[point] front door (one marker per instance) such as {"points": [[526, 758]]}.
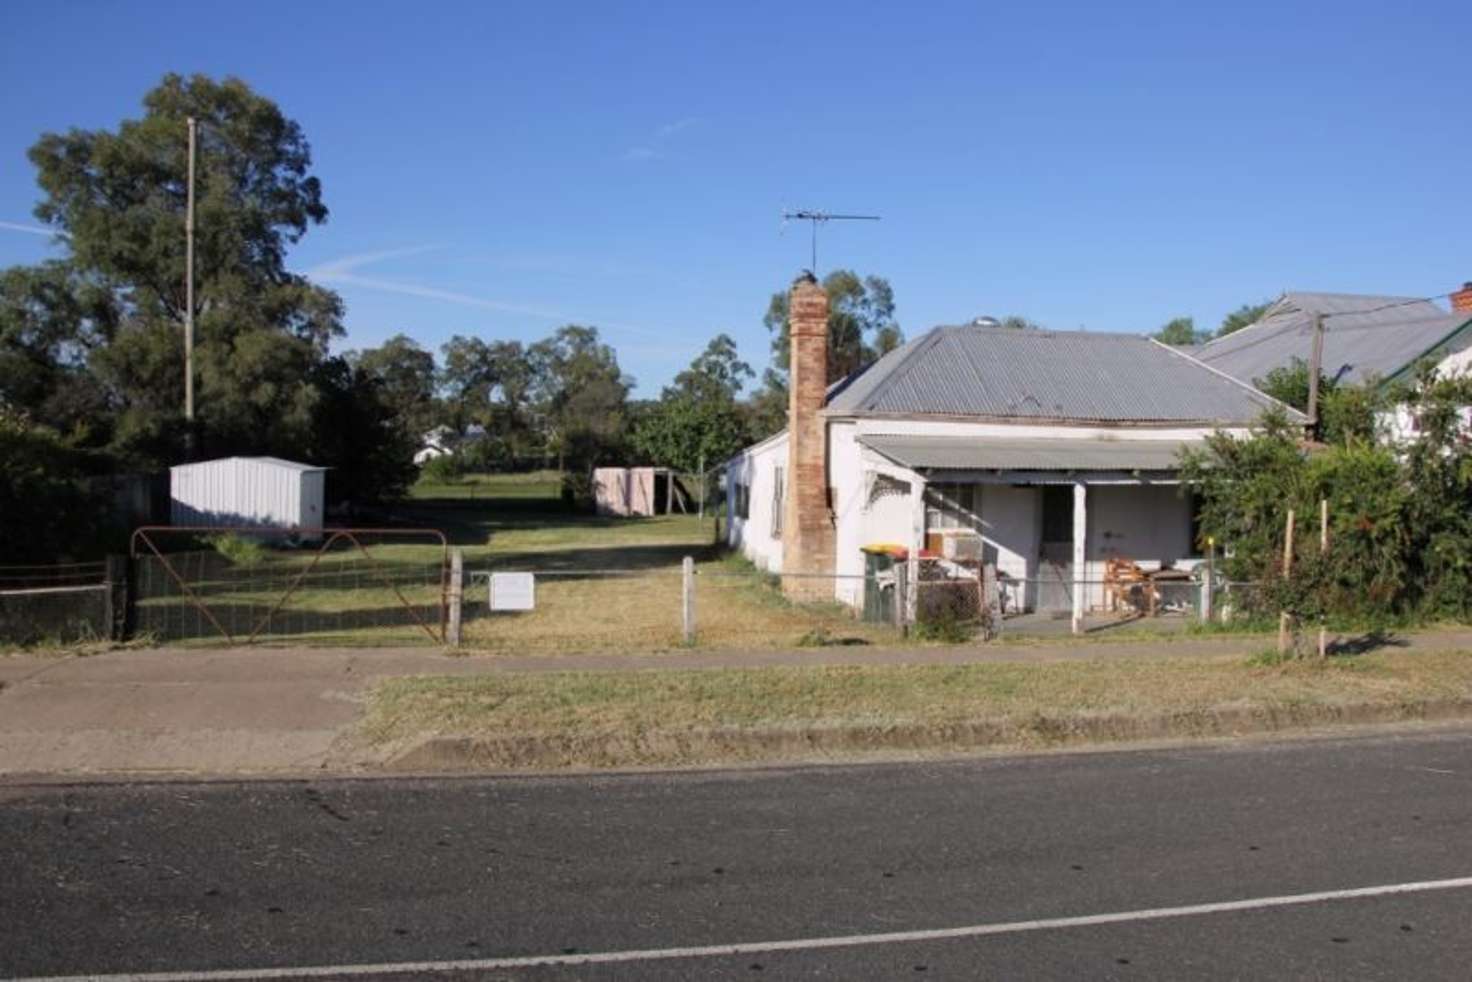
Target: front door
{"points": [[1055, 552]]}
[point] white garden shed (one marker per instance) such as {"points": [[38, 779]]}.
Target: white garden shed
{"points": [[258, 492]]}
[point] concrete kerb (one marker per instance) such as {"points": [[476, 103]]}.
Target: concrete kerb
{"points": [[458, 754], [273, 711]]}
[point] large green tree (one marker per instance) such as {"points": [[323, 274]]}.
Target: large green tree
{"points": [[118, 196], [51, 322], [579, 396], [489, 383], [406, 376], [861, 323], [698, 420]]}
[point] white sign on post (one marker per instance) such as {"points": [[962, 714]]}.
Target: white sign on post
{"points": [[513, 591]]}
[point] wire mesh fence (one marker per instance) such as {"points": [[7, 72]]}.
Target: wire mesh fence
{"points": [[733, 605], [747, 608], [56, 604], [350, 586], [578, 610]]}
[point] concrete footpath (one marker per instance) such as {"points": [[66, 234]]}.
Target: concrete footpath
{"points": [[293, 710]]}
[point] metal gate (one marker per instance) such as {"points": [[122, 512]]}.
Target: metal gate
{"points": [[246, 585]]}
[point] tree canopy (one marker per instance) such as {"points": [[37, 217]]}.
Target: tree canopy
{"points": [[1181, 333], [698, 421], [111, 309], [1244, 316], [861, 323], [1345, 411]]}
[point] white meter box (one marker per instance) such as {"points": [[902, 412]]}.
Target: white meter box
{"points": [[513, 591]]}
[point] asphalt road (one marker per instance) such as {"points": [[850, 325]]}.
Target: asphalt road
{"points": [[209, 876]]}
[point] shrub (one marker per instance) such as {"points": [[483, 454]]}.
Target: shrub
{"points": [[947, 611], [577, 490], [238, 550], [444, 469]]}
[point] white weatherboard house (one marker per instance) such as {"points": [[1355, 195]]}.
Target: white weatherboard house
{"points": [[248, 492], [1059, 448]]}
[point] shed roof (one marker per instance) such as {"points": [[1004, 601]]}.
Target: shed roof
{"points": [[1082, 376], [1365, 336], [272, 461], [972, 453]]}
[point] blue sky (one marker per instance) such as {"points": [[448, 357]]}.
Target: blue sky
{"points": [[501, 169]]}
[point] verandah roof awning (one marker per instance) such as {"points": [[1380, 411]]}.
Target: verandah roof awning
{"points": [[953, 453]]}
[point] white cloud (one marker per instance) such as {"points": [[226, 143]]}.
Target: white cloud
{"points": [[32, 229], [670, 129], [343, 272], [655, 150]]}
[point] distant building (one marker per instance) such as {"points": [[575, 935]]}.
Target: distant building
{"points": [[1366, 338]]}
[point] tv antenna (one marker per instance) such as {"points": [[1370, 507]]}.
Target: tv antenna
{"points": [[817, 218]]}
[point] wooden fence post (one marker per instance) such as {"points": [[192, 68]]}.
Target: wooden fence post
{"points": [[1204, 607], [687, 607], [115, 608], [457, 597], [991, 594], [1284, 616], [1323, 551]]}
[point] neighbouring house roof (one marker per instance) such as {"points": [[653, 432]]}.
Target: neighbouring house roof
{"points": [[1073, 376], [1365, 337], [970, 453]]}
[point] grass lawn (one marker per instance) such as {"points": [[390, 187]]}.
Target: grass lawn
{"points": [[504, 522], [615, 719]]}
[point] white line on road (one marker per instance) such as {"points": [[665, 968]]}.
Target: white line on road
{"points": [[794, 944]]}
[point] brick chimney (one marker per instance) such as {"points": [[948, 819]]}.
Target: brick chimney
{"points": [[807, 535], [1462, 300]]}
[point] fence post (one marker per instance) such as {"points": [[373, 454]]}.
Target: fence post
{"points": [[1203, 609], [1285, 618], [457, 596], [902, 596], [991, 596], [116, 606], [687, 597]]}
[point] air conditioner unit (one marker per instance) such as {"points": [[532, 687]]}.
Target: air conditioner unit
{"points": [[961, 547]]}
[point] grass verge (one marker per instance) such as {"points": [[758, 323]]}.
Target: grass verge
{"points": [[688, 717]]}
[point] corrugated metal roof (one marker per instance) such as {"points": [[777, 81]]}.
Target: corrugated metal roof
{"points": [[973, 453], [271, 461], [1079, 376], [1365, 337]]}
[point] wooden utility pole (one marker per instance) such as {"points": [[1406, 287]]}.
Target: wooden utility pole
{"points": [[189, 290], [1323, 551], [1284, 617], [1315, 367]]}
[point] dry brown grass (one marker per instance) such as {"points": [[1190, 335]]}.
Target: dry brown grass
{"points": [[581, 613], [611, 719]]}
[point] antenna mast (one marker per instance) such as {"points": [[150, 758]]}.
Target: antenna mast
{"points": [[816, 217]]}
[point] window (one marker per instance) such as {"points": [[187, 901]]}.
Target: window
{"points": [[952, 506], [779, 486], [741, 501]]}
